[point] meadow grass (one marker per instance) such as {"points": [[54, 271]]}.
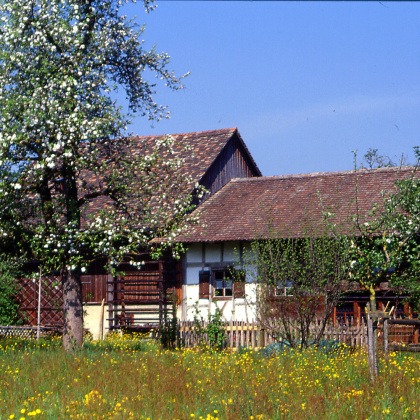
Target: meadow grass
{"points": [[133, 379]]}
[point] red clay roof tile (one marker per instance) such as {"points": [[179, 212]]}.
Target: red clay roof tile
{"points": [[289, 206]]}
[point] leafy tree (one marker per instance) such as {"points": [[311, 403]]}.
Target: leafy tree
{"points": [[299, 281], [9, 287], [60, 63], [373, 159], [386, 244], [385, 247]]}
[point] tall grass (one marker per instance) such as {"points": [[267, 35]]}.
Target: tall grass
{"points": [[132, 379]]}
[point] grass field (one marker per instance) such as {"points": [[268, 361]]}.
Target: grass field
{"points": [[132, 379]]}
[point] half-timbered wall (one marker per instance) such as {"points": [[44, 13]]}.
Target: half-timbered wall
{"points": [[204, 260], [202, 266]]}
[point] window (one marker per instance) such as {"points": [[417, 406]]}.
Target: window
{"points": [[223, 283], [284, 289]]}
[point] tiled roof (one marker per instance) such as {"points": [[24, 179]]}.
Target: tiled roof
{"points": [[290, 206], [197, 150]]}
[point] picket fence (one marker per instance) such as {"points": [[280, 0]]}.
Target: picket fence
{"points": [[241, 334]]}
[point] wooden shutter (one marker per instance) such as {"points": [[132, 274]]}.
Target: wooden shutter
{"points": [[204, 285], [239, 284]]}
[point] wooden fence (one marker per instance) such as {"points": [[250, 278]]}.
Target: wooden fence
{"points": [[253, 335]]}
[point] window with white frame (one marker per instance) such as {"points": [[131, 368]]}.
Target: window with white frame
{"points": [[284, 288], [223, 283]]}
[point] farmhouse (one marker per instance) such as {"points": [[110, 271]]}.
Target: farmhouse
{"points": [[239, 207], [273, 207], [210, 159]]}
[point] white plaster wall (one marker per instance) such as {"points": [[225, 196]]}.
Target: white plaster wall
{"points": [[192, 275], [194, 253], [239, 309], [213, 253], [231, 252], [92, 319]]}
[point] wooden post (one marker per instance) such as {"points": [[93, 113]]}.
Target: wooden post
{"points": [[356, 314], [38, 324], [111, 297], [231, 333], [375, 345], [261, 338], [101, 321], [370, 348], [161, 295], [386, 341], [242, 334]]}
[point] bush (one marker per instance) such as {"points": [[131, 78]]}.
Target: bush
{"points": [[214, 331], [9, 287]]}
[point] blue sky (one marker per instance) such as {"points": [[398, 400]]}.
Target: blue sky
{"points": [[306, 83]]}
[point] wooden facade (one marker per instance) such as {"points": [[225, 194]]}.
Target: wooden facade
{"points": [[353, 307], [140, 298], [135, 297], [234, 161]]}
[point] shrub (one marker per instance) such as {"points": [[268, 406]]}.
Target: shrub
{"points": [[9, 287]]}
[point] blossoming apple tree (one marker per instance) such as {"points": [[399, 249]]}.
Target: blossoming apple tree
{"points": [[77, 188]]}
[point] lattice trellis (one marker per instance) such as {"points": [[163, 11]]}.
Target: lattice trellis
{"points": [[51, 300]]}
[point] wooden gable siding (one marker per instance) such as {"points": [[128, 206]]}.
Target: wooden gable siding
{"points": [[231, 163]]}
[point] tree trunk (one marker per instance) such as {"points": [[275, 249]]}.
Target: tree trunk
{"points": [[372, 336], [371, 348], [73, 310], [372, 299]]}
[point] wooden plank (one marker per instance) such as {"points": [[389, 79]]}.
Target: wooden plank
{"points": [[415, 322]]}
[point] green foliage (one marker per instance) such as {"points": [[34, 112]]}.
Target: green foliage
{"points": [[327, 347], [372, 159], [215, 330], [159, 384], [213, 333], [9, 286], [61, 132], [386, 244], [300, 280], [64, 142]]}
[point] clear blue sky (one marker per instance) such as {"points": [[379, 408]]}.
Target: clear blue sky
{"points": [[306, 83]]}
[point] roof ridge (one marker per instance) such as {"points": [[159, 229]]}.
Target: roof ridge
{"points": [[323, 174], [221, 130]]}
